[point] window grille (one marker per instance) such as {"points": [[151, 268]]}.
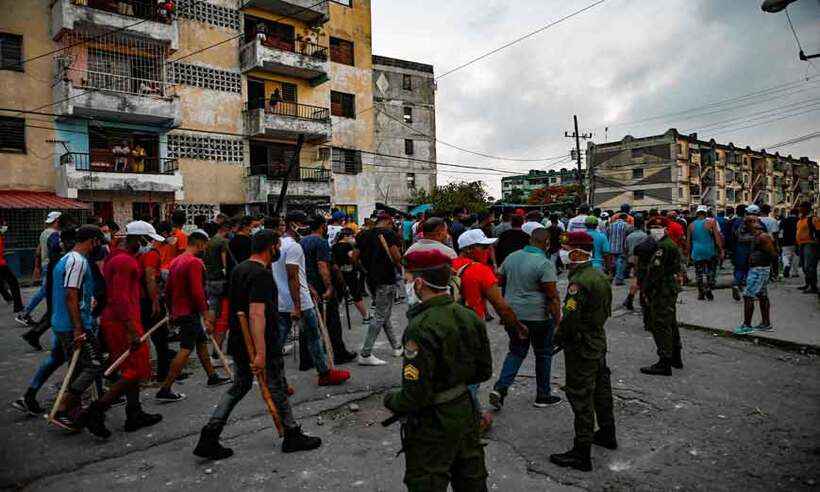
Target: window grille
{"points": [[12, 134], [182, 145], [119, 63], [194, 210], [346, 161], [207, 78], [209, 13], [408, 147], [11, 52]]}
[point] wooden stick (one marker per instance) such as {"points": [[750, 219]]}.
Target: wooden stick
{"points": [[125, 354], [261, 377], [74, 358], [225, 363], [325, 337]]}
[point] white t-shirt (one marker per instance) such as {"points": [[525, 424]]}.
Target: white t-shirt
{"points": [[333, 230], [771, 224], [292, 254], [577, 223]]}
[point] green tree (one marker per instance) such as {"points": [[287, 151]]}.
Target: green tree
{"points": [[472, 196]]}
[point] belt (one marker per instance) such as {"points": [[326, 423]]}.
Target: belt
{"points": [[449, 395]]}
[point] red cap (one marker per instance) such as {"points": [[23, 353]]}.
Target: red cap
{"points": [[430, 259], [520, 211], [579, 239]]}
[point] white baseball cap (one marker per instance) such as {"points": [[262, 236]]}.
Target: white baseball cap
{"points": [[52, 216], [753, 210], [531, 226], [702, 208], [474, 236], [142, 228]]}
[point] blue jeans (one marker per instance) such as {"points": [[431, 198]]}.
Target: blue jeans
{"points": [[620, 268], [55, 359], [39, 295], [309, 331], [540, 337]]}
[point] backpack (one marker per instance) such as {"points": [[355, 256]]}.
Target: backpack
{"points": [[455, 283], [646, 249]]}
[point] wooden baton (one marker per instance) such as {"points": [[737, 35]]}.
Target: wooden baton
{"points": [[261, 377], [125, 354], [325, 336], [221, 354], [64, 387]]}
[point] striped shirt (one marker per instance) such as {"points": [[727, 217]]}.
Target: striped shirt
{"points": [[71, 272], [618, 231]]}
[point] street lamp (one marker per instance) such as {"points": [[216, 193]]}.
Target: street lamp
{"points": [[774, 6]]}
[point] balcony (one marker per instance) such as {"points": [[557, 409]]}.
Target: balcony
{"points": [[104, 172], [123, 15], [291, 58], [267, 180], [288, 120], [88, 94], [304, 10]]}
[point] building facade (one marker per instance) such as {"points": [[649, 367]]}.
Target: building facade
{"points": [[679, 171], [145, 106], [405, 108], [517, 189]]}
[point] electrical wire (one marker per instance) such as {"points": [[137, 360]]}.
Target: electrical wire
{"points": [[795, 140], [796, 38]]}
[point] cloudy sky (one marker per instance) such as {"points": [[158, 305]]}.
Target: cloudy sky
{"points": [[622, 61]]}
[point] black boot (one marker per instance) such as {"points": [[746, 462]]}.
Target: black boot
{"points": [[660, 368], [786, 271], [208, 445], [577, 457], [136, 419], [709, 295], [93, 419], [677, 361], [628, 303], [605, 437], [736, 292], [296, 440]]}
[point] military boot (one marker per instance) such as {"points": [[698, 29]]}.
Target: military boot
{"points": [[208, 445], [660, 368], [577, 457], [677, 361], [296, 440], [628, 303], [136, 419], [605, 437]]}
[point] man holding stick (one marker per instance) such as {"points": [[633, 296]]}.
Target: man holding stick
{"points": [[253, 291]]}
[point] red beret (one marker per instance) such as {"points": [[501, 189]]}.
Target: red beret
{"points": [[578, 239], [430, 259]]}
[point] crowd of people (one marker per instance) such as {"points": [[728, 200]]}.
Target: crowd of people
{"points": [[243, 284]]}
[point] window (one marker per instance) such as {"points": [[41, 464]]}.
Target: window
{"points": [[637, 195], [408, 114], [680, 192], [411, 181], [679, 149], [341, 51], [407, 82], [730, 194], [636, 153], [408, 147], [637, 173], [346, 3], [12, 134], [11, 52], [342, 104], [346, 161]]}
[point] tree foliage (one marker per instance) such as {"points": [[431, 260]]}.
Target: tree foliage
{"points": [[472, 196]]}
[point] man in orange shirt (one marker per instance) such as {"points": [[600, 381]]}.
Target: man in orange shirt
{"points": [[178, 219], [807, 238]]}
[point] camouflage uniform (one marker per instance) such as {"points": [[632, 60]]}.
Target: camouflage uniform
{"points": [[445, 349], [657, 276], [587, 306]]}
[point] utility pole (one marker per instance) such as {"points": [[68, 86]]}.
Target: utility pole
{"points": [[578, 136]]}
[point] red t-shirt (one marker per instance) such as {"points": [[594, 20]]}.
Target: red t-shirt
{"points": [[186, 286], [475, 280], [182, 241], [149, 259], [121, 272]]}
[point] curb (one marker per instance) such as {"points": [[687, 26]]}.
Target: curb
{"points": [[803, 348]]}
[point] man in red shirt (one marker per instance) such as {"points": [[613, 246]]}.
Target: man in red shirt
{"points": [[178, 219], [152, 309], [187, 304], [121, 328]]}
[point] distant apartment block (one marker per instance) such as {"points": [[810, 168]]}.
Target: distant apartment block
{"points": [[517, 189]]}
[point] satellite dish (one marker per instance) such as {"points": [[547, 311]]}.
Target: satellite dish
{"points": [[774, 6]]}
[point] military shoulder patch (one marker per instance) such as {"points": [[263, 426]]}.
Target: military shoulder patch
{"points": [[571, 305], [411, 349], [411, 373], [659, 253]]}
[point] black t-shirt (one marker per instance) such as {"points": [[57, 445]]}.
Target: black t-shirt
{"points": [[555, 238], [316, 249], [509, 242], [240, 247], [250, 283], [341, 255], [380, 268]]}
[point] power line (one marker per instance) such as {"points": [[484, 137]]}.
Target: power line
{"points": [[767, 122], [749, 117], [797, 39], [802, 138], [518, 40]]}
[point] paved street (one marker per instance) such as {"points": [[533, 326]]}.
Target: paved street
{"points": [[738, 416]]}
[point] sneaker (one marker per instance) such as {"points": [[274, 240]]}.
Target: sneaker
{"points": [[296, 440], [217, 380], [63, 421], [334, 377], [27, 405], [398, 352], [370, 360], [287, 348], [32, 339], [497, 399], [710, 296], [743, 330], [545, 401], [24, 319], [736, 293], [168, 396], [762, 327], [119, 402]]}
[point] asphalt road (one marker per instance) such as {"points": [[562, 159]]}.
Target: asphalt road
{"points": [[738, 417]]}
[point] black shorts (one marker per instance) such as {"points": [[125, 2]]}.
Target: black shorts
{"points": [[191, 332], [355, 284]]}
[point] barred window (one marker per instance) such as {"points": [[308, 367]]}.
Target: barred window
{"points": [[408, 147], [11, 52], [207, 78], [199, 10], [181, 145], [12, 134], [346, 161]]}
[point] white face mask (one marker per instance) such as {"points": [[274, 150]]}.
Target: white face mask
{"points": [[3, 229], [410, 294], [657, 234], [255, 230]]}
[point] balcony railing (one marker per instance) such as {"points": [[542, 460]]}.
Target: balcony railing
{"points": [[140, 9], [292, 109], [119, 164], [279, 171], [88, 79], [294, 45]]}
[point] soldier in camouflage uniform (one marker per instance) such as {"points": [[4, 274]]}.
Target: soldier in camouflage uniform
{"points": [[445, 349], [658, 271], [587, 306]]}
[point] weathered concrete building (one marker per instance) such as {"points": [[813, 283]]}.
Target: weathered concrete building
{"points": [[517, 189], [681, 171], [405, 107]]}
